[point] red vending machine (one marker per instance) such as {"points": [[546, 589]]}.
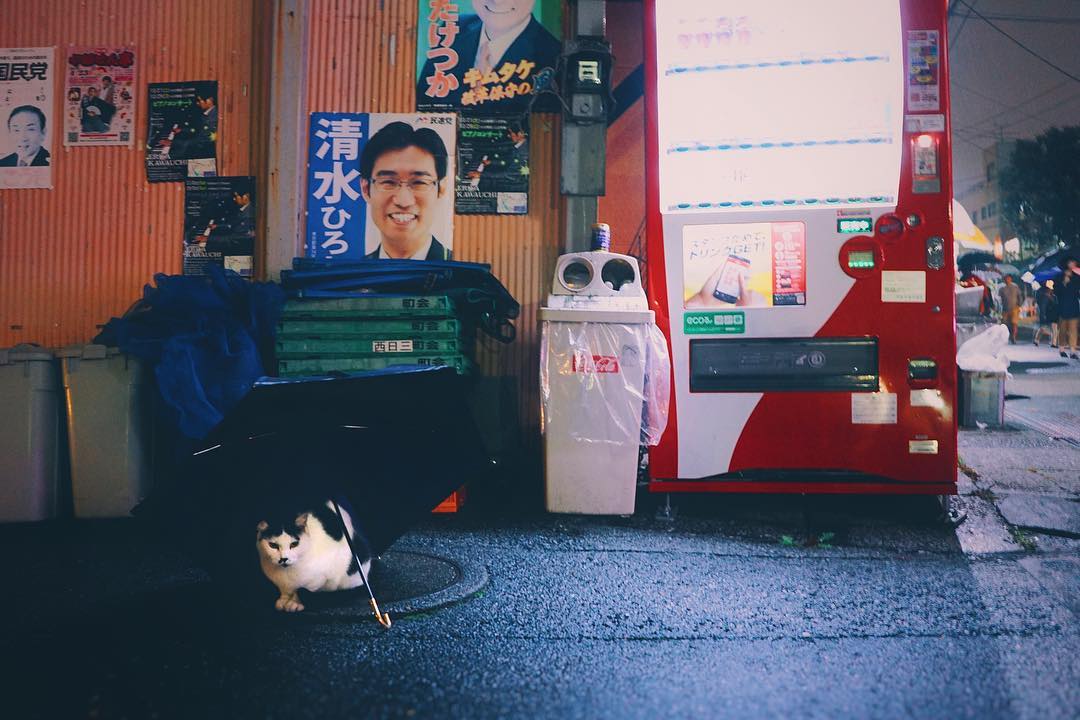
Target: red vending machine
{"points": [[800, 257]]}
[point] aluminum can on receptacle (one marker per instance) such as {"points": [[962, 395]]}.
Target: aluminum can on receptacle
{"points": [[601, 237]]}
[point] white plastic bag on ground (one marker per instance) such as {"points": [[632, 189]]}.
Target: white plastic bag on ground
{"points": [[985, 352]]}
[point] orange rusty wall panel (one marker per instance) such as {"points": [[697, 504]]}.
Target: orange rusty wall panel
{"points": [[362, 58], [76, 255], [623, 208]]}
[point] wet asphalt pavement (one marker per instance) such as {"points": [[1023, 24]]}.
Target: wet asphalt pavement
{"points": [[743, 607]]}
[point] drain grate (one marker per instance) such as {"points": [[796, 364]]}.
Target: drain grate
{"points": [[1059, 426]]}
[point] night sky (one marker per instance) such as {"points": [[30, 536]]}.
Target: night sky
{"points": [[999, 89]]}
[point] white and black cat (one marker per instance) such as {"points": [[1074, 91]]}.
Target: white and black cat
{"points": [[309, 551]]}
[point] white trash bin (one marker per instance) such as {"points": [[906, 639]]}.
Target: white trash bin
{"points": [[598, 348], [110, 400], [29, 435]]}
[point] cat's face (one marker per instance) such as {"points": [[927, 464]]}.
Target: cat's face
{"points": [[283, 544]]}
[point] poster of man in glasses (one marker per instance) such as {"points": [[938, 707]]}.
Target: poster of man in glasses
{"points": [[380, 186]]}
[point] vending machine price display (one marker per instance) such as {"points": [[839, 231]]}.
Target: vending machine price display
{"points": [[860, 259]]}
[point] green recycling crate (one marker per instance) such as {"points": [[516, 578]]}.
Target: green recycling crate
{"points": [[360, 329], [395, 306], [387, 344], [321, 366]]}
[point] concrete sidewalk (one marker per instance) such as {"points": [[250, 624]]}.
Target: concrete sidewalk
{"points": [[1028, 472]]}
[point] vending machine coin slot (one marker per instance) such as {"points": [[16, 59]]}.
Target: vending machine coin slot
{"points": [[922, 372]]}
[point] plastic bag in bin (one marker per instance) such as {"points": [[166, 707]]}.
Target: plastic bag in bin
{"points": [[606, 382]]}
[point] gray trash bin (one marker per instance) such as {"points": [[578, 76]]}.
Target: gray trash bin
{"points": [[594, 349], [110, 429], [29, 434], [982, 398]]}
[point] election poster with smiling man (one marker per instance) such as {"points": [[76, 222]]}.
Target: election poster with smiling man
{"points": [[380, 186], [484, 56]]}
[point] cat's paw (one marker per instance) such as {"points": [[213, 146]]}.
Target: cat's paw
{"points": [[288, 604]]}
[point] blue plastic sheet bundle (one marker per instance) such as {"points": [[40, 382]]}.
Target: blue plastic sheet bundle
{"points": [[478, 295], [206, 336]]}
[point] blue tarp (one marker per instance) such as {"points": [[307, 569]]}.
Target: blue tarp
{"points": [[205, 336], [479, 296]]}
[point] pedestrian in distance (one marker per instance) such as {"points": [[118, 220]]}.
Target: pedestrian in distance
{"points": [[1068, 295], [1010, 296], [1046, 301], [986, 302]]}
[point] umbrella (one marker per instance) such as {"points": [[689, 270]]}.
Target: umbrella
{"points": [[1007, 269], [1051, 264], [391, 444], [971, 259]]}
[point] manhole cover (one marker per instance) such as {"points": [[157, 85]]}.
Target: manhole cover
{"points": [[406, 582]]}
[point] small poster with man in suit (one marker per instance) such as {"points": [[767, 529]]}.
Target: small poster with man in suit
{"points": [[99, 96], [182, 130], [26, 117], [493, 165], [487, 56], [219, 224]]}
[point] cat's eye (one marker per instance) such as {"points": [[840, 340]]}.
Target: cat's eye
{"points": [[294, 544], [274, 545]]}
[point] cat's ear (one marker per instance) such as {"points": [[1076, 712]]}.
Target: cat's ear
{"points": [[261, 527], [301, 520]]}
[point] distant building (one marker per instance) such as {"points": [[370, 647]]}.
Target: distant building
{"points": [[983, 199]]}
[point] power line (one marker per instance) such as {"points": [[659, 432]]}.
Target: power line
{"points": [[1065, 101], [963, 22], [987, 135], [1023, 103], [1021, 45], [1010, 108], [973, 144], [1032, 19]]}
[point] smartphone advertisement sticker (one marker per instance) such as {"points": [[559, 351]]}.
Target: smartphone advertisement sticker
{"points": [[744, 265]]}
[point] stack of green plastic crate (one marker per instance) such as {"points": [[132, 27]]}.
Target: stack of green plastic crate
{"points": [[322, 335]]}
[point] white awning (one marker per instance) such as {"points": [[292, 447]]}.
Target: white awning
{"points": [[966, 234]]}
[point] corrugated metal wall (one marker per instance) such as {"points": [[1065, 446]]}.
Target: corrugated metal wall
{"points": [[74, 256], [362, 58]]}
